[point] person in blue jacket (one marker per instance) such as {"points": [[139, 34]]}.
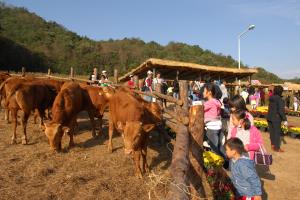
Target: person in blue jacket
{"points": [[243, 173]]}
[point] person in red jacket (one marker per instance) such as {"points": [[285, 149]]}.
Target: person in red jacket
{"points": [[130, 83], [247, 133]]}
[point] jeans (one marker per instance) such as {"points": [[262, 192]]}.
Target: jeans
{"points": [[214, 139], [175, 95]]}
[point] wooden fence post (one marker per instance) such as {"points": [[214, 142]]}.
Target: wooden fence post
{"points": [[71, 73], [49, 72], [23, 71], [116, 76], [197, 178], [136, 82], [180, 161]]}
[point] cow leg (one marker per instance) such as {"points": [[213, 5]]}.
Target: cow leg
{"points": [[6, 117], [100, 125], [136, 158], [71, 132], [35, 116], [92, 119], [24, 125], [110, 135], [41, 113], [144, 159], [14, 114]]}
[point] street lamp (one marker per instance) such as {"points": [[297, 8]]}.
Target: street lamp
{"points": [[250, 27]]}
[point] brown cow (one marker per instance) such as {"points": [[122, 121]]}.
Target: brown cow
{"points": [[133, 117], [95, 103], [11, 85], [28, 97], [72, 99]]}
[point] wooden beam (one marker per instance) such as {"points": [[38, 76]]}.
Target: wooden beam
{"points": [[163, 96], [71, 73], [181, 118], [116, 76], [23, 71]]}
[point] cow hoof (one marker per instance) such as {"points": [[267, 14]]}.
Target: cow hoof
{"points": [[147, 170], [13, 141], [71, 145], [139, 175], [24, 141]]}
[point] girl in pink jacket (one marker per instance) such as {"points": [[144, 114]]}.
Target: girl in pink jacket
{"points": [[246, 132]]}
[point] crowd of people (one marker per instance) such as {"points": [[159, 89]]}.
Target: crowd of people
{"points": [[229, 126]]}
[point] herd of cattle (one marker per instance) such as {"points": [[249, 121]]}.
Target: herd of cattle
{"points": [[129, 113]]}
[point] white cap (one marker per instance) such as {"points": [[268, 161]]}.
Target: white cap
{"points": [[149, 72], [103, 71]]}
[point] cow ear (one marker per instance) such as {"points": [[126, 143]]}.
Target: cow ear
{"points": [[148, 127], [120, 126], [66, 129]]}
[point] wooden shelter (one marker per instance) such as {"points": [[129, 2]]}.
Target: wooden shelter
{"points": [[291, 86], [188, 71]]}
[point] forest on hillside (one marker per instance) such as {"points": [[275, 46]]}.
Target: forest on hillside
{"points": [[28, 40]]}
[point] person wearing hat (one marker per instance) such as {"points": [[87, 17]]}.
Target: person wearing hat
{"points": [[94, 76], [148, 85], [130, 83], [104, 73]]}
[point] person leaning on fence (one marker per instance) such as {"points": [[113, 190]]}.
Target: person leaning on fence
{"points": [[247, 133], [243, 174], [175, 89], [148, 86], [103, 81], [212, 119], [276, 116]]}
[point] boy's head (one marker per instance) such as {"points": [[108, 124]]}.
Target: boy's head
{"points": [[226, 100], [234, 147]]}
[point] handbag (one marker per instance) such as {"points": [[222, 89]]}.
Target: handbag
{"points": [[261, 157]]}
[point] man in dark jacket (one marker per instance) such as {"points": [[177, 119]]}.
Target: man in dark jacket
{"points": [[276, 115]]}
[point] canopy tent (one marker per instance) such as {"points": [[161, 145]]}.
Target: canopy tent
{"points": [[188, 71]]}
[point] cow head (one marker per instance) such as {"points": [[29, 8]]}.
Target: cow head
{"points": [[155, 111], [135, 134], [54, 133], [107, 92]]}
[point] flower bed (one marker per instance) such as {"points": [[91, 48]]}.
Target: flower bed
{"points": [[262, 111], [220, 183], [292, 131]]}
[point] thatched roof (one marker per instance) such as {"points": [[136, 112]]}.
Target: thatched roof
{"points": [[187, 71], [292, 86]]}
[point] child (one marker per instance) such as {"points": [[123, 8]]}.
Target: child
{"points": [[243, 173], [253, 101], [237, 102], [212, 118], [225, 114], [247, 133]]}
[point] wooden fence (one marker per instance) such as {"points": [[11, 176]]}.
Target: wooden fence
{"points": [[189, 180]]}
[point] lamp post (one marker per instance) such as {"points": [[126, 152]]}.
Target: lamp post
{"points": [[250, 27]]}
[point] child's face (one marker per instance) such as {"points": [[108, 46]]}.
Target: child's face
{"points": [[235, 121], [206, 93], [230, 152]]}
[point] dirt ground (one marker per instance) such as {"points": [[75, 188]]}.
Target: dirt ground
{"points": [[88, 171]]}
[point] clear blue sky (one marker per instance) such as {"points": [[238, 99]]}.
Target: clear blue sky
{"points": [[274, 44]]}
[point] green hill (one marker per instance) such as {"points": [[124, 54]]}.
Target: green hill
{"points": [[28, 40]]}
